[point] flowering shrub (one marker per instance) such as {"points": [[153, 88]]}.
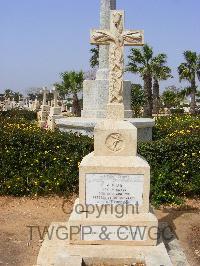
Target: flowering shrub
{"points": [[16, 114], [172, 126], [174, 157], [35, 161]]}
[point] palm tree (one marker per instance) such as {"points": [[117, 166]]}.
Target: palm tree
{"points": [[160, 72], [140, 61], [72, 82], [188, 71]]}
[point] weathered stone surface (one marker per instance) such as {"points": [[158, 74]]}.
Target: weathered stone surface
{"points": [[51, 125], [116, 38], [42, 115], [96, 92], [130, 165], [85, 126], [95, 98], [57, 251], [106, 6], [115, 138]]}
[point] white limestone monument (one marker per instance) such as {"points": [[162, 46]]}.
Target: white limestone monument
{"points": [[45, 108], [55, 111], [96, 92], [112, 177]]}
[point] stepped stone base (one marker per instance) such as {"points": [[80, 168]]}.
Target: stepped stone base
{"points": [[85, 126], [57, 252], [130, 230]]}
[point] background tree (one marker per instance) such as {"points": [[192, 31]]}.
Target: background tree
{"points": [[160, 72], [31, 96], [171, 97], [2, 97], [198, 96], [50, 96], [188, 71], [137, 99], [34, 93], [94, 60], [140, 61], [72, 83], [17, 96], [8, 93]]}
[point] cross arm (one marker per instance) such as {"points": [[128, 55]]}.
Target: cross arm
{"points": [[133, 37], [101, 37]]}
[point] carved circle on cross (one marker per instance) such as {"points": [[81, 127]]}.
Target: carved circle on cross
{"points": [[115, 142]]}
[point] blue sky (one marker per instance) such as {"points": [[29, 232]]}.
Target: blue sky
{"points": [[41, 38]]}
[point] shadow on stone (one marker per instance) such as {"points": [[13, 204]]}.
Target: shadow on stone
{"points": [[111, 262]]}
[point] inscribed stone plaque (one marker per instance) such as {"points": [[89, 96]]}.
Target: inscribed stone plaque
{"points": [[107, 189], [114, 232]]}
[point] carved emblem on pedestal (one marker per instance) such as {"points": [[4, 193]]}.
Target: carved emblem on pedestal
{"points": [[115, 142]]}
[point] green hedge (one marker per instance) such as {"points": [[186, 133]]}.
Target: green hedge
{"points": [[175, 167], [35, 161], [17, 115], [174, 156]]}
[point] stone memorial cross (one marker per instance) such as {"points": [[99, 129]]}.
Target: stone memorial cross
{"points": [[117, 38]]}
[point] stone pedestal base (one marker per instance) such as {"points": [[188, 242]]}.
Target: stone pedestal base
{"points": [[85, 126], [58, 252], [95, 228]]}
